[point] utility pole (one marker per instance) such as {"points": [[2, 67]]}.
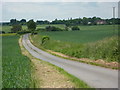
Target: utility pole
{"points": [[113, 19]]}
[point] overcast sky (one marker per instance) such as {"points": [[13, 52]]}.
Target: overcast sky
{"points": [[59, 10]]}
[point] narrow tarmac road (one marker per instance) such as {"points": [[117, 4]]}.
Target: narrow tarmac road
{"points": [[95, 76]]}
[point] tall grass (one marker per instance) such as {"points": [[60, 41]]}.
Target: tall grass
{"points": [[16, 67], [106, 49]]}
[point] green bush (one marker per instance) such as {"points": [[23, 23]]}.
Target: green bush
{"points": [[2, 32], [45, 39], [52, 28], [15, 28], [75, 28]]}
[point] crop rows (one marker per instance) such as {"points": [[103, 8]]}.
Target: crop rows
{"points": [[16, 67]]}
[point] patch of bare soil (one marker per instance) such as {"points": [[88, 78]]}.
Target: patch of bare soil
{"points": [[99, 61], [46, 76]]}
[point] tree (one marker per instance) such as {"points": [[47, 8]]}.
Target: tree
{"points": [[75, 28], [23, 21], [15, 28], [85, 21], [2, 32], [13, 21], [31, 26]]}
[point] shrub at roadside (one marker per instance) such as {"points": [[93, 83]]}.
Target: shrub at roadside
{"points": [[45, 39]]}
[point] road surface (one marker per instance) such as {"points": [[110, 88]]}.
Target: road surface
{"points": [[95, 76]]}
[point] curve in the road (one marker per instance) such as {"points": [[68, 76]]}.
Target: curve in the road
{"points": [[95, 76]]}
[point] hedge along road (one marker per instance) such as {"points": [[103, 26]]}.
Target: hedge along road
{"points": [[95, 76]]}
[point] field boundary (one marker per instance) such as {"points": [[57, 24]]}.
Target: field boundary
{"points": [[99, 62], [8, 34]]}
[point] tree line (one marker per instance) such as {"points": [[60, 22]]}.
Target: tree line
{"points": [[69, 22], [31, 28], [87, 21]]}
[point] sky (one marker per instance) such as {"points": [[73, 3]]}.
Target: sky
{"points": [[52, 10]]}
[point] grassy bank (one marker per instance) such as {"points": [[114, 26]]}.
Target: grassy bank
{"points": [[16, 67], [106, 49]]}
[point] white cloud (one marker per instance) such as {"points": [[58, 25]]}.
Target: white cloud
{"points": [[60, 10]]}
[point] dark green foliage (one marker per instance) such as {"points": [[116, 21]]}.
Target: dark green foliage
{"points": [[31, 26], [2, 32], [23, 21], [23, 32], [45, 39], [35, 32], [16, 68], [11, 32], [75, 28], [85, 21], [42, 22], [13, 21], [15, 28], [69, 22], [52, 28]]}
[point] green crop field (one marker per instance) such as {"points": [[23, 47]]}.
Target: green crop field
{"points": [[94, 42], [8, 28], [62, 26], [83, 36], [16, 68]]}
